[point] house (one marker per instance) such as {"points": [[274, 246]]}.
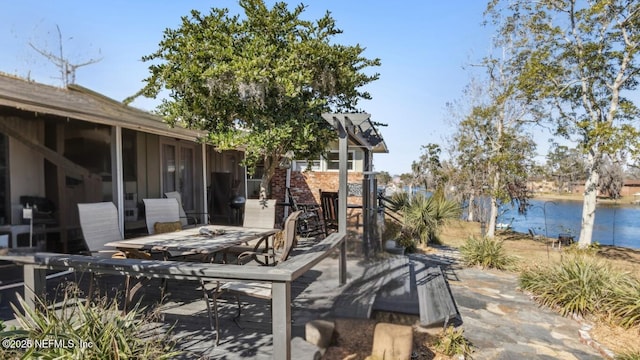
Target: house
{"points": [[60, 147], [306, 179]]}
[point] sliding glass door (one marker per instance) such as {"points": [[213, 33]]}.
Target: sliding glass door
{"points": [[178, 162]]}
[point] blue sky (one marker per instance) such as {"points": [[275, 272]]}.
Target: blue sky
{"points": [[423, 46]]}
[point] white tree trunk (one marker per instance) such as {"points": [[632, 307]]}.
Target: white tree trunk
{"points": [[493, 215], [471, 208], [589, 203]]}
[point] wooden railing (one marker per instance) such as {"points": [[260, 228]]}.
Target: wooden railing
{"points": [[280, 276]]}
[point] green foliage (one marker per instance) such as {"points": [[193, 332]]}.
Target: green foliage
{"points": [[259, 81], [574, 286], [622, 301], [628, 356], [111, 334], [423, 216], [579, 60], [487, 253], [452, 342]]}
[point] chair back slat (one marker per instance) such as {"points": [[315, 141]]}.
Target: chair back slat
{"points": [[259, 213], [99, 224], [160, 210], [289, 235]]}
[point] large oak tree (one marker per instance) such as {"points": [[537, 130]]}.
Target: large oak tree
{"points": [[258, 81]]}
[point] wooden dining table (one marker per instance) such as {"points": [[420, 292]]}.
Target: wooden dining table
{"points": [[203, 240]]}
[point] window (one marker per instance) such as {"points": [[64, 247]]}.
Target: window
{"points": [[333, 161], [330, 163], [302, 165]]}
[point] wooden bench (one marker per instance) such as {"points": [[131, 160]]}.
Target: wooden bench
{"points": [[280, 276]]}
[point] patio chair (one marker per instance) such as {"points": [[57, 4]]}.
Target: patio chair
{"points": [[257, 214], [99, 225], [309, 222], [256, 289], [162, 213], [329, 205], [185, 219]]}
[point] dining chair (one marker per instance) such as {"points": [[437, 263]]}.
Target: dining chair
{"points": [[329, 205], [258, 213], [161, 212], [99, 225], [185, 219], [256, 289]]}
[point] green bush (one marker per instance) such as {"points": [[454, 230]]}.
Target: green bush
{"points": [[100, 326], [576, 285], [622, 301], [485, 252], [628, 356], [452, 342]]}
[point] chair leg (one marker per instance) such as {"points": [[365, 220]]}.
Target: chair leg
{"points": [[214, 297], [237, 317]]}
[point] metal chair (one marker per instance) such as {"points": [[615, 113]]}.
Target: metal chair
{"points": [[259, 290], [99, 225], [160, 211], [185, 219], [309, 222]]}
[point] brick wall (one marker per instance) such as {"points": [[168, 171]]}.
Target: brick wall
{"points": [[306, 186]]}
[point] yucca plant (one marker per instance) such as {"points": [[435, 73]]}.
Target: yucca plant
{"points": [[88, 330], [576, 285], [623, 301], [628, 356], [452, 342], [422, 215], [487, 253]]}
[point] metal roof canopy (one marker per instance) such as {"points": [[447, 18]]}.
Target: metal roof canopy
{"points": [[360, 129]]}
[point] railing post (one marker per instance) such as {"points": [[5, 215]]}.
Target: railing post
{"points": [[281, 319], [35, 284]]}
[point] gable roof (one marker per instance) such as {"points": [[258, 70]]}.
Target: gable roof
{"points": [[77, 102]]}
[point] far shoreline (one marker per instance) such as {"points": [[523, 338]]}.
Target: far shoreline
{"points": [[627, 200]]}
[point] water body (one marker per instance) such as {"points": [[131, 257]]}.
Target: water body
{"points": [[617, 225]]}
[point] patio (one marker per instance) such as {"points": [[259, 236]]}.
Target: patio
{"points": [[497, 319]]}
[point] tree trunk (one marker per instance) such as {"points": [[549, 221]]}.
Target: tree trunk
{"points": [[493, 215], [269, 171], [471, 207], [589, 202]]}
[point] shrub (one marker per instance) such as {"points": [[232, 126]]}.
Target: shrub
{"points": [[101, 324], [574, 286], [485, 252], [622, 301], [628, 356], [452, 342]]}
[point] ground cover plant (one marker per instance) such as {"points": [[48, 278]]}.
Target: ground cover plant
{"points": [[487, 253], [78, 329]]}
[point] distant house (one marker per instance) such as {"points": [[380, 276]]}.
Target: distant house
{"points": [[60, 147]]}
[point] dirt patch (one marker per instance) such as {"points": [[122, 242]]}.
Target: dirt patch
{"points": [[353, 340]]}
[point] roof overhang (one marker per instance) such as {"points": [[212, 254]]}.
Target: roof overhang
{"points": [[77, 102], [361, 130]]}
